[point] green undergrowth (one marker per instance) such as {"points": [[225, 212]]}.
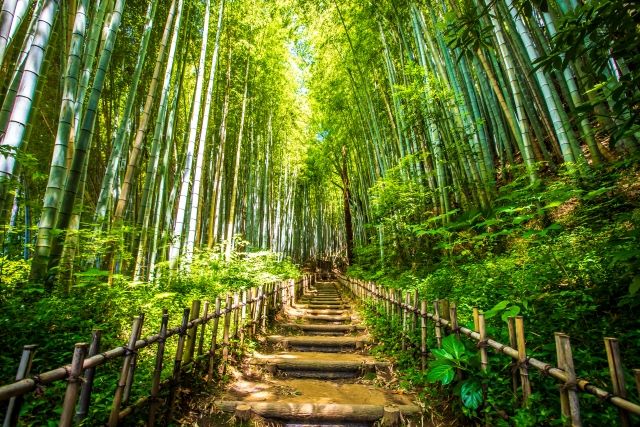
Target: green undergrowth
{"points": [[56, 321], [564, 255]]}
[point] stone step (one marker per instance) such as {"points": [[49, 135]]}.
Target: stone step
{"points": [[324, 318], [319, 343], [317, 412], [317, 364], [310, 327]]}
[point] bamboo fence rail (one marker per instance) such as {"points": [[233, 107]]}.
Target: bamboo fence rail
{"points": [[445, 320], [244, 313]]}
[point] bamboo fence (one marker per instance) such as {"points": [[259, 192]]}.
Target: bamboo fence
{"points": [[414, 317], [243, 314]]}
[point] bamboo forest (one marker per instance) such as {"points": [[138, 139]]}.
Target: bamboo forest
{"points": [[320, 213]]}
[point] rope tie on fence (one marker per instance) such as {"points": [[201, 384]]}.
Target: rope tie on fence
{"points": [[457, 330], [182, 331], [569, 385], [525, 363], [130, 351], [40, 387], [546, 369], [482, 344]]}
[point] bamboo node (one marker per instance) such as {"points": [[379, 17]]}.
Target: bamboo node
{"points": [[546, 369]]}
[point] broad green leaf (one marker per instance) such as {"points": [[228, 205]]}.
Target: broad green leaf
{"points": [[442, 373], [496, 309], [453, 346], [440, 353], [471, 394], [512, 311]]}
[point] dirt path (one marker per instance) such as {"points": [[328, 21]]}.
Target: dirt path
{"points": [[315, 371]]}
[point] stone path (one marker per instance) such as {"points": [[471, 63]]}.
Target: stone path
{"points": [[316, 371]]}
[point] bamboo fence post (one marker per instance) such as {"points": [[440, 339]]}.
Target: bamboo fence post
{"points": [[256, 311], [214, 339], [617, 375], [387, 302], [436, 316], [243, 317], [423, 334], [15, 403], [132, 369], [453, 317], [73, 385], [236, 316], [522, 360], [205, 313], [263, 310], [476, 312], [569, 403], [444, 309], [157, 370], [225, 333], [114, 416], [415, 307], [177, 365], [482, 343], [192, 333], [636, 375], [404, 321], [89, 374], [513, 343]]}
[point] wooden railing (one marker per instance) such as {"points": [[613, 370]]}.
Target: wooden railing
{"points": [[415, 318], [243, 314]]}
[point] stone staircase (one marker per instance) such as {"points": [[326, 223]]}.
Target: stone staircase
{"points": [[316, 372]]}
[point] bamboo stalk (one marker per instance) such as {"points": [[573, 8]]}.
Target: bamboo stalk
{"points": [[15, 403], [214, 340], [205, 313], [569, 403], [263, 310], [192, 333], [423, 334], [404, 322], [124, 373], [453, 318], [636, 375], [225, 333], [157, 370], [132, 368], [476, 323], [256, 310], [177, 366], [522, 360], [482, 343], [438, 327], [73, 385], [511, 325], [236, 314], [243, 317], [89, 374], [617, 375], [415, 308]]}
